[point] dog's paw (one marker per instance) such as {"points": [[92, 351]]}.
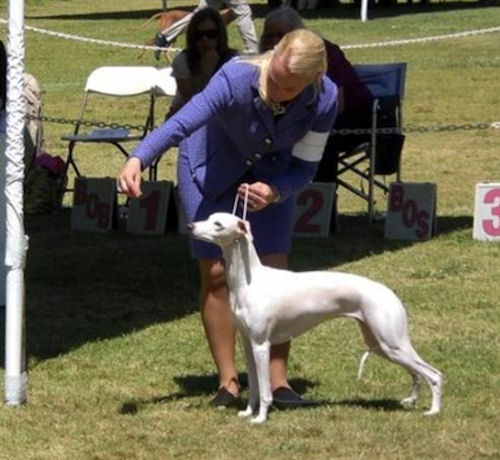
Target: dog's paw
{"points": [[245, 413], [409, 402], [258, 420], [431, 412]]}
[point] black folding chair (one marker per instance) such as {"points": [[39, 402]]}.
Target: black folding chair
{"points": [[382, 153]]}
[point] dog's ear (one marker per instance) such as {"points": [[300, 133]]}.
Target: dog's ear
{"points": [[244, 228]]}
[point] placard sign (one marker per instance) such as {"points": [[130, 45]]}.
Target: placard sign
{"points": [[313, 210], [411, 211], [148, 214], [94, 202], [487, 212]]}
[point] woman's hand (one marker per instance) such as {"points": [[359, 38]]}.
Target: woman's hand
{"points": [[129, 180], [260, 195]]}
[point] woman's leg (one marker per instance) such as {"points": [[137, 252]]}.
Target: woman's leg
{"points": [[279, 353], [218, 321]]}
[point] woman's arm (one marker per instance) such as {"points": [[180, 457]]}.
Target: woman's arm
{"points": [[188, 119], [194, 114]]}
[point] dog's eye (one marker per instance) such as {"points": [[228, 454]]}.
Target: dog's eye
{"points": [[218, 226]]}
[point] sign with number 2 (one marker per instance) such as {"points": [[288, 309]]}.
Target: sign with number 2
{"points": [[313, 210]]}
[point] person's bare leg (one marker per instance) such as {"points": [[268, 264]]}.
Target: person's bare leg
{"points": [[218, 321], [279, 353]]}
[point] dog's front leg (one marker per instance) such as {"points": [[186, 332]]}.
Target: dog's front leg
{"points": [[261, 355], [253, 384]]}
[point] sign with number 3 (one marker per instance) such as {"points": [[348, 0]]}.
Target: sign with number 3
{"points": [[487, 212]]}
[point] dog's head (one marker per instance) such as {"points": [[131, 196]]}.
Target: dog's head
{"points": [[221, 228]]}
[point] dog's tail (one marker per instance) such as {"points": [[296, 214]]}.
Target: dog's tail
{"points": [[362, 362], [152, 18]]}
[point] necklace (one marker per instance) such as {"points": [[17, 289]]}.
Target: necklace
{"points": [[277, 108]]}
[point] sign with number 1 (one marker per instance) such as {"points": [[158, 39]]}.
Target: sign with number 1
{"points": [[147, 215]]}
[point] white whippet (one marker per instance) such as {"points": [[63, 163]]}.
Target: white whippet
{"points": [[272, 306]]}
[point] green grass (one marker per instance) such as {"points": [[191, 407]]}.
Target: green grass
{"points": [[118, 364]]}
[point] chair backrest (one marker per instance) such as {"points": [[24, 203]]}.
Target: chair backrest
{"points": [[165, 82], [383, 80], [131, 81]]}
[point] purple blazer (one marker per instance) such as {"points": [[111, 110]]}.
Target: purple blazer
{"points": [[226, 131]]}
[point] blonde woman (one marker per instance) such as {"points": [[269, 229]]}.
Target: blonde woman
{"points": [[260, 123]]}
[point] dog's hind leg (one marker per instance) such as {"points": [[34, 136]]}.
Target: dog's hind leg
{"points": [[253, 384], [407, 357], [404, 354], [411, 399]]}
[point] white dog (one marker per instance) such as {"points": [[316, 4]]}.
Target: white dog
{"points": [[272, 306]]}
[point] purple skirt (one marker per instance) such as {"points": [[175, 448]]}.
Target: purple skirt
{"points": [[271, 227]]}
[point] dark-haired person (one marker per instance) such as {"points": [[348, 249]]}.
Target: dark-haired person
{"points": [[206, 51], [241, 10]]}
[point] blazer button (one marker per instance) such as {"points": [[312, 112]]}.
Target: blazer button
{"points": [[248, 162], [257, 155], [268, 141]]}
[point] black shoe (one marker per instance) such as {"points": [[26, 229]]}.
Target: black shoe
{"points": [[286, 398], [225, 399]]}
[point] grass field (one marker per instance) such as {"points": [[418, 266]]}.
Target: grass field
{"points": [[118, 365]]}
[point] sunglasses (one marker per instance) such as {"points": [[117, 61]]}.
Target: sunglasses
{"points": [[210, 34]]}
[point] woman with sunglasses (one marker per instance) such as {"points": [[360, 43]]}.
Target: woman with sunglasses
{"points": [[207, 49], [257, 130]]}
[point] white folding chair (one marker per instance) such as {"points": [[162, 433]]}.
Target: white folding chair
{"points": [[120, 81], [381, 154]]}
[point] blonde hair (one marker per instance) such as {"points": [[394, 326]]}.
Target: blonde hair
{"points": [[303, 53]]}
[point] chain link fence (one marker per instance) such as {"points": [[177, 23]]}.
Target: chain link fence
{"points": [[394, 130]]}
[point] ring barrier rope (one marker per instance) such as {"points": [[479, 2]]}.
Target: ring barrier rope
{"points": [[95, 41], [408, 41]]}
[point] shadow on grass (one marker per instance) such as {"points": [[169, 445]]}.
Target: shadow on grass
{"points": [[86, 287], [206, 385], [200, 385], [339, 11], [356, 240], [383, 405]]}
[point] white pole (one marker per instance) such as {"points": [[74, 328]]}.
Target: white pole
{"points": [[364, 10], [3, 225], [16, 241]]}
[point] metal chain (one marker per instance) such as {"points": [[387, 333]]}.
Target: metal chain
{"points": [[342, 132], [419, 129], [98, 124]]}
